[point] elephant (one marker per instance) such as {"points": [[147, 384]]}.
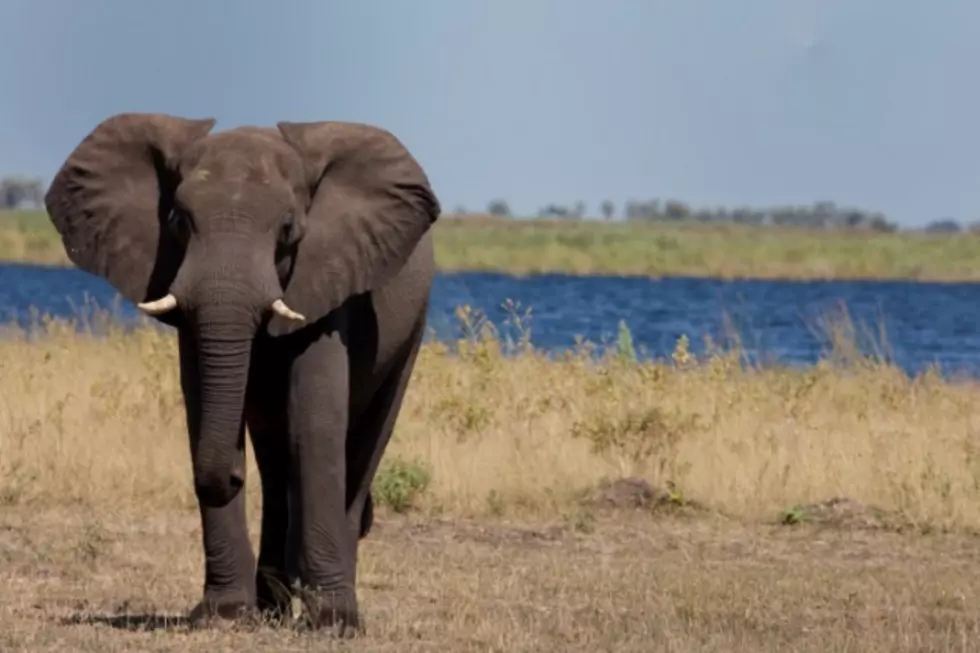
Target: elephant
{"points": [[295, 264]]}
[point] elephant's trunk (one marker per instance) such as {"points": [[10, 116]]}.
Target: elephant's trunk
{"points": [[224, 344]]}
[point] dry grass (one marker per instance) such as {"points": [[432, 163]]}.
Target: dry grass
{"points": [[487, 537], [96, 583]]}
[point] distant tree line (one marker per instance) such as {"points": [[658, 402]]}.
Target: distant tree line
{"points": [[21, 192], [18, 192], [819, 215]]}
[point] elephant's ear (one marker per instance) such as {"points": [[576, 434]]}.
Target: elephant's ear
{"points": [[110, 197], [370, 204]]}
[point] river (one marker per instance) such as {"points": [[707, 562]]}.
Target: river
{"points": [[778, 321]]}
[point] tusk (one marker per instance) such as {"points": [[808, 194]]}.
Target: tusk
{"points": [[159, 306], [280, 308]]}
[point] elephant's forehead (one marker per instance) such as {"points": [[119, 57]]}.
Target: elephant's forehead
{"points": [[252, 157]]}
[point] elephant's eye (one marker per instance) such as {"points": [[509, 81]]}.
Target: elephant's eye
{"points": [[289, 229], [179, 223], [177, 218]]}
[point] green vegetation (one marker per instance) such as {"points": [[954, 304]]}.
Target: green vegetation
{"points": [[639, 247], [29, 237], [701, 250]]}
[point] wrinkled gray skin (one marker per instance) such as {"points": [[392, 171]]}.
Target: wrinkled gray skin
{"points": [[332, 218]]}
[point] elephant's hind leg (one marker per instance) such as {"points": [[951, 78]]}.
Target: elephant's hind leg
{"points": [[369, 438]]}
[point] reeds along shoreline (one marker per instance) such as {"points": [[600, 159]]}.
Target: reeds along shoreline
{"points": [[98, 420], [635, 249]]}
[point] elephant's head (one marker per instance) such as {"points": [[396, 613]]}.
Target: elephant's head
{"points": [[223, 235]]}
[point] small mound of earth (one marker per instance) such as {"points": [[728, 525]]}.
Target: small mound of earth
{"points": [[634, 493], [841, 512]]}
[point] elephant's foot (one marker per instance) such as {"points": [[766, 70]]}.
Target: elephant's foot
{"points": [[334, 610], [221, 614]]}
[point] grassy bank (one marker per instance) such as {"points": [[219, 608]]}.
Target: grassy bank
{"points": [[86, 418], [498, 529], [732, 251]]}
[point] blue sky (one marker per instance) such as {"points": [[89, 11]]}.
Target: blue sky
{"points": [[717, 102]]}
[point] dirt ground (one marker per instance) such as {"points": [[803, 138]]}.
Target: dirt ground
{"points": [[619, 581]]}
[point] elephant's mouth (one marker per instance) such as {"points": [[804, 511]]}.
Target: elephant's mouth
{"points": [[168, 303]]}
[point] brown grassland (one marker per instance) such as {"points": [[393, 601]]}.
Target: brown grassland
{"points": [[833, 508]]}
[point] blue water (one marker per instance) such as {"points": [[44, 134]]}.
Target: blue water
{"points": [[778, 321]]}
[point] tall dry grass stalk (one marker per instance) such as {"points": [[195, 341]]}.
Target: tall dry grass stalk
{"points": [[98, 420]]}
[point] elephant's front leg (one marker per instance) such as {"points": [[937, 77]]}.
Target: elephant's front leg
{"points": [[265, 415], [229, 563], [318, 415]]}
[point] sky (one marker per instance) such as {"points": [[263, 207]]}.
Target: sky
{"points": [[868, 103]]}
